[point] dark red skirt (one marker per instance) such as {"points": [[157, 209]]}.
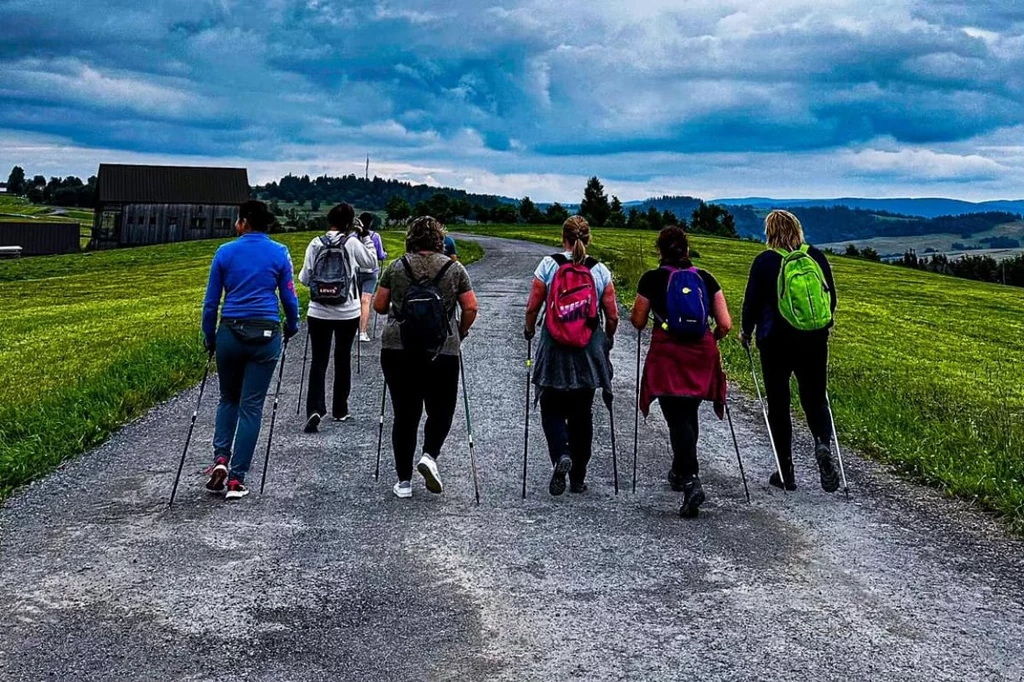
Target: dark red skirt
{"points": [[688, 370]]}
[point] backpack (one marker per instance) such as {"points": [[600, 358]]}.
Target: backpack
{"points": [[686, 301], [330, 281], [423, 320], [804, 298], [571, 316]]}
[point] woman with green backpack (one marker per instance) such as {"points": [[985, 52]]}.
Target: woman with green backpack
{"points": [[789, 304]]}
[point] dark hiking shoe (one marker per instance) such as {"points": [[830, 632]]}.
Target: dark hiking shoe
{"points": [[675, 480], [236, 490], [312, 423], [826, 467], [557, 485], [218, 473], [693, 498], [578, 488], [777, 482], [342, 418]]}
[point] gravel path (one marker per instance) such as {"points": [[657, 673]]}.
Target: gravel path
{"points": [[329, 577]]}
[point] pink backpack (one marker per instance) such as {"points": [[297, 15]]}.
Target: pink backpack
{"points": [[572, 303]]}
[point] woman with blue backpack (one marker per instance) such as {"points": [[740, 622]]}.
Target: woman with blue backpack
{"points": [[683, 366], [330, 270], [423, 294], [573, 353], [789, 304]]}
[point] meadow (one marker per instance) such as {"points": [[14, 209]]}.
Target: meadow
{"points": [[91, 341], [925, 369]]}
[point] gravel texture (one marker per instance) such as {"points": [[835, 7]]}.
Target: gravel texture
{"points": [[328, 576]]}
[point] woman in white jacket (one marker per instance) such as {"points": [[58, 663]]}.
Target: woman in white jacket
{"points": [[337, 320]]}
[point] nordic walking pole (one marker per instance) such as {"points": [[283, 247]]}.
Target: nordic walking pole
{"points": [[607, 397], [764, 411], [191, 427], [839, 455], [529, 380], [380, 430], [636, 405], [736, 444], [359, 354], [302, 378], [469, 429], [273, 416]]}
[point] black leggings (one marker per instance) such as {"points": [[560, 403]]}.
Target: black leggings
{"points": [[415, 382], [568, 421], [321, 332], [807, 358], [683, 431]]}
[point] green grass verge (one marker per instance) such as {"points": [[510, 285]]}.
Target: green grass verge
{"points": [[924, 368], [92, 340]]}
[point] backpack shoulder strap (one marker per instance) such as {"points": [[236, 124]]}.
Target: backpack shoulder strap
{"points": [[408, 268], [559, 259], [804, 248], [325, 242], [442, 272], [590, 262]]}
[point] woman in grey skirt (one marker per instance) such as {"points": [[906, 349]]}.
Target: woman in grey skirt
{"points": [[573, 353]]}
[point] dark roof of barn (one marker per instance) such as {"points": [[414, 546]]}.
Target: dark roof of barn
{"points": [[172, 184]]}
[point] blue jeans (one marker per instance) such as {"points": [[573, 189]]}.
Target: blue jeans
{"points": [[245, 371]]}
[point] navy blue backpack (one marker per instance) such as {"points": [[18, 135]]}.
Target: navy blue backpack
{"points": [[686, 299]]}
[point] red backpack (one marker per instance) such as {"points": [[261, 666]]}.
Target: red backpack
{"points": [[572, 303]]}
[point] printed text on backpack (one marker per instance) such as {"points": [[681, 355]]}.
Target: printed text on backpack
{"points": [[571, 316], [804, 299], [424, 319], [331, 277]]}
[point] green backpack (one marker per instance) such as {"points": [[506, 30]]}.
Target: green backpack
{"points": [[804, 298]]}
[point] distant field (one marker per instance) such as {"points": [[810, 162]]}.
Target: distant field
{"points": [[92, 340], [18, 209], [925, 369], [941, 243]]}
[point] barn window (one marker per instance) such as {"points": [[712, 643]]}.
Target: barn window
{"points": [[221, 224], [152, 221], [129, 220], [198, 223], [172, 221]]}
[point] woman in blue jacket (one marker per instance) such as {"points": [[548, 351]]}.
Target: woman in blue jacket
{"points": [[249, 274]]}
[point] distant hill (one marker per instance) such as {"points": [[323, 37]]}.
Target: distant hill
{"points": [[925, 208], [371, 195]]}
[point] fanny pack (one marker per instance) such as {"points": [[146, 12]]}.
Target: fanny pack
{"points": [[252, 331]]}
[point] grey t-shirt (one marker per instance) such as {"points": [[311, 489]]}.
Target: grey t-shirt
{"points": [[454, 283]]}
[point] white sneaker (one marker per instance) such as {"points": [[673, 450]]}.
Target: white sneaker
{"points": [[403, 489], [428, 468], [364, 338]]}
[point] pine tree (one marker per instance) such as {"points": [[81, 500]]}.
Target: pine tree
{"points": [[594, 206]]}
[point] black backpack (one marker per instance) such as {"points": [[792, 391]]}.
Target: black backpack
{"points": [[423, 320], [330, 281]]}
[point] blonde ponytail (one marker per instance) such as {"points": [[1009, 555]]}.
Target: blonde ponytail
{"points": [[576, 233]]}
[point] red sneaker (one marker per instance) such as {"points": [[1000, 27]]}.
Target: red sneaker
{"points": [[218, 473], [236, 490]]}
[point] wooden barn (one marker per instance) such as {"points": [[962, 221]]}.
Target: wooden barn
{"points": [[157, 204]]}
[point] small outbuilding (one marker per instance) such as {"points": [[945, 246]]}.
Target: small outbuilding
{"points": [[140, 205], [39, 238]]}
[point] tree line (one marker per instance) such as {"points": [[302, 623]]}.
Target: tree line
{"points": [[980, 268], [67, 191]]}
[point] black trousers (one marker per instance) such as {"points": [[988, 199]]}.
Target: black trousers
{"points": [[417, 383], [683, 431], [321, 333], [807, 358], [568, 421]]}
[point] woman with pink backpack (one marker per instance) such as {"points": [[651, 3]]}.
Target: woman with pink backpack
{"points": [[683, 366], [573, 353]]}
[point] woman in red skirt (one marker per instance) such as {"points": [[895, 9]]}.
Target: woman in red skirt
{"points": [[683, 367]]}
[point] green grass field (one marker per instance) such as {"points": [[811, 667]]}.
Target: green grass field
{"points": [[92, 340], [925, 369]]}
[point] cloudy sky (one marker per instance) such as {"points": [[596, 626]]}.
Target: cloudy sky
{"points": [[808, 98]]}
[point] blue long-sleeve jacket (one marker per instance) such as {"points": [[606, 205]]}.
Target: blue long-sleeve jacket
{"points": [[250, 273]]}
